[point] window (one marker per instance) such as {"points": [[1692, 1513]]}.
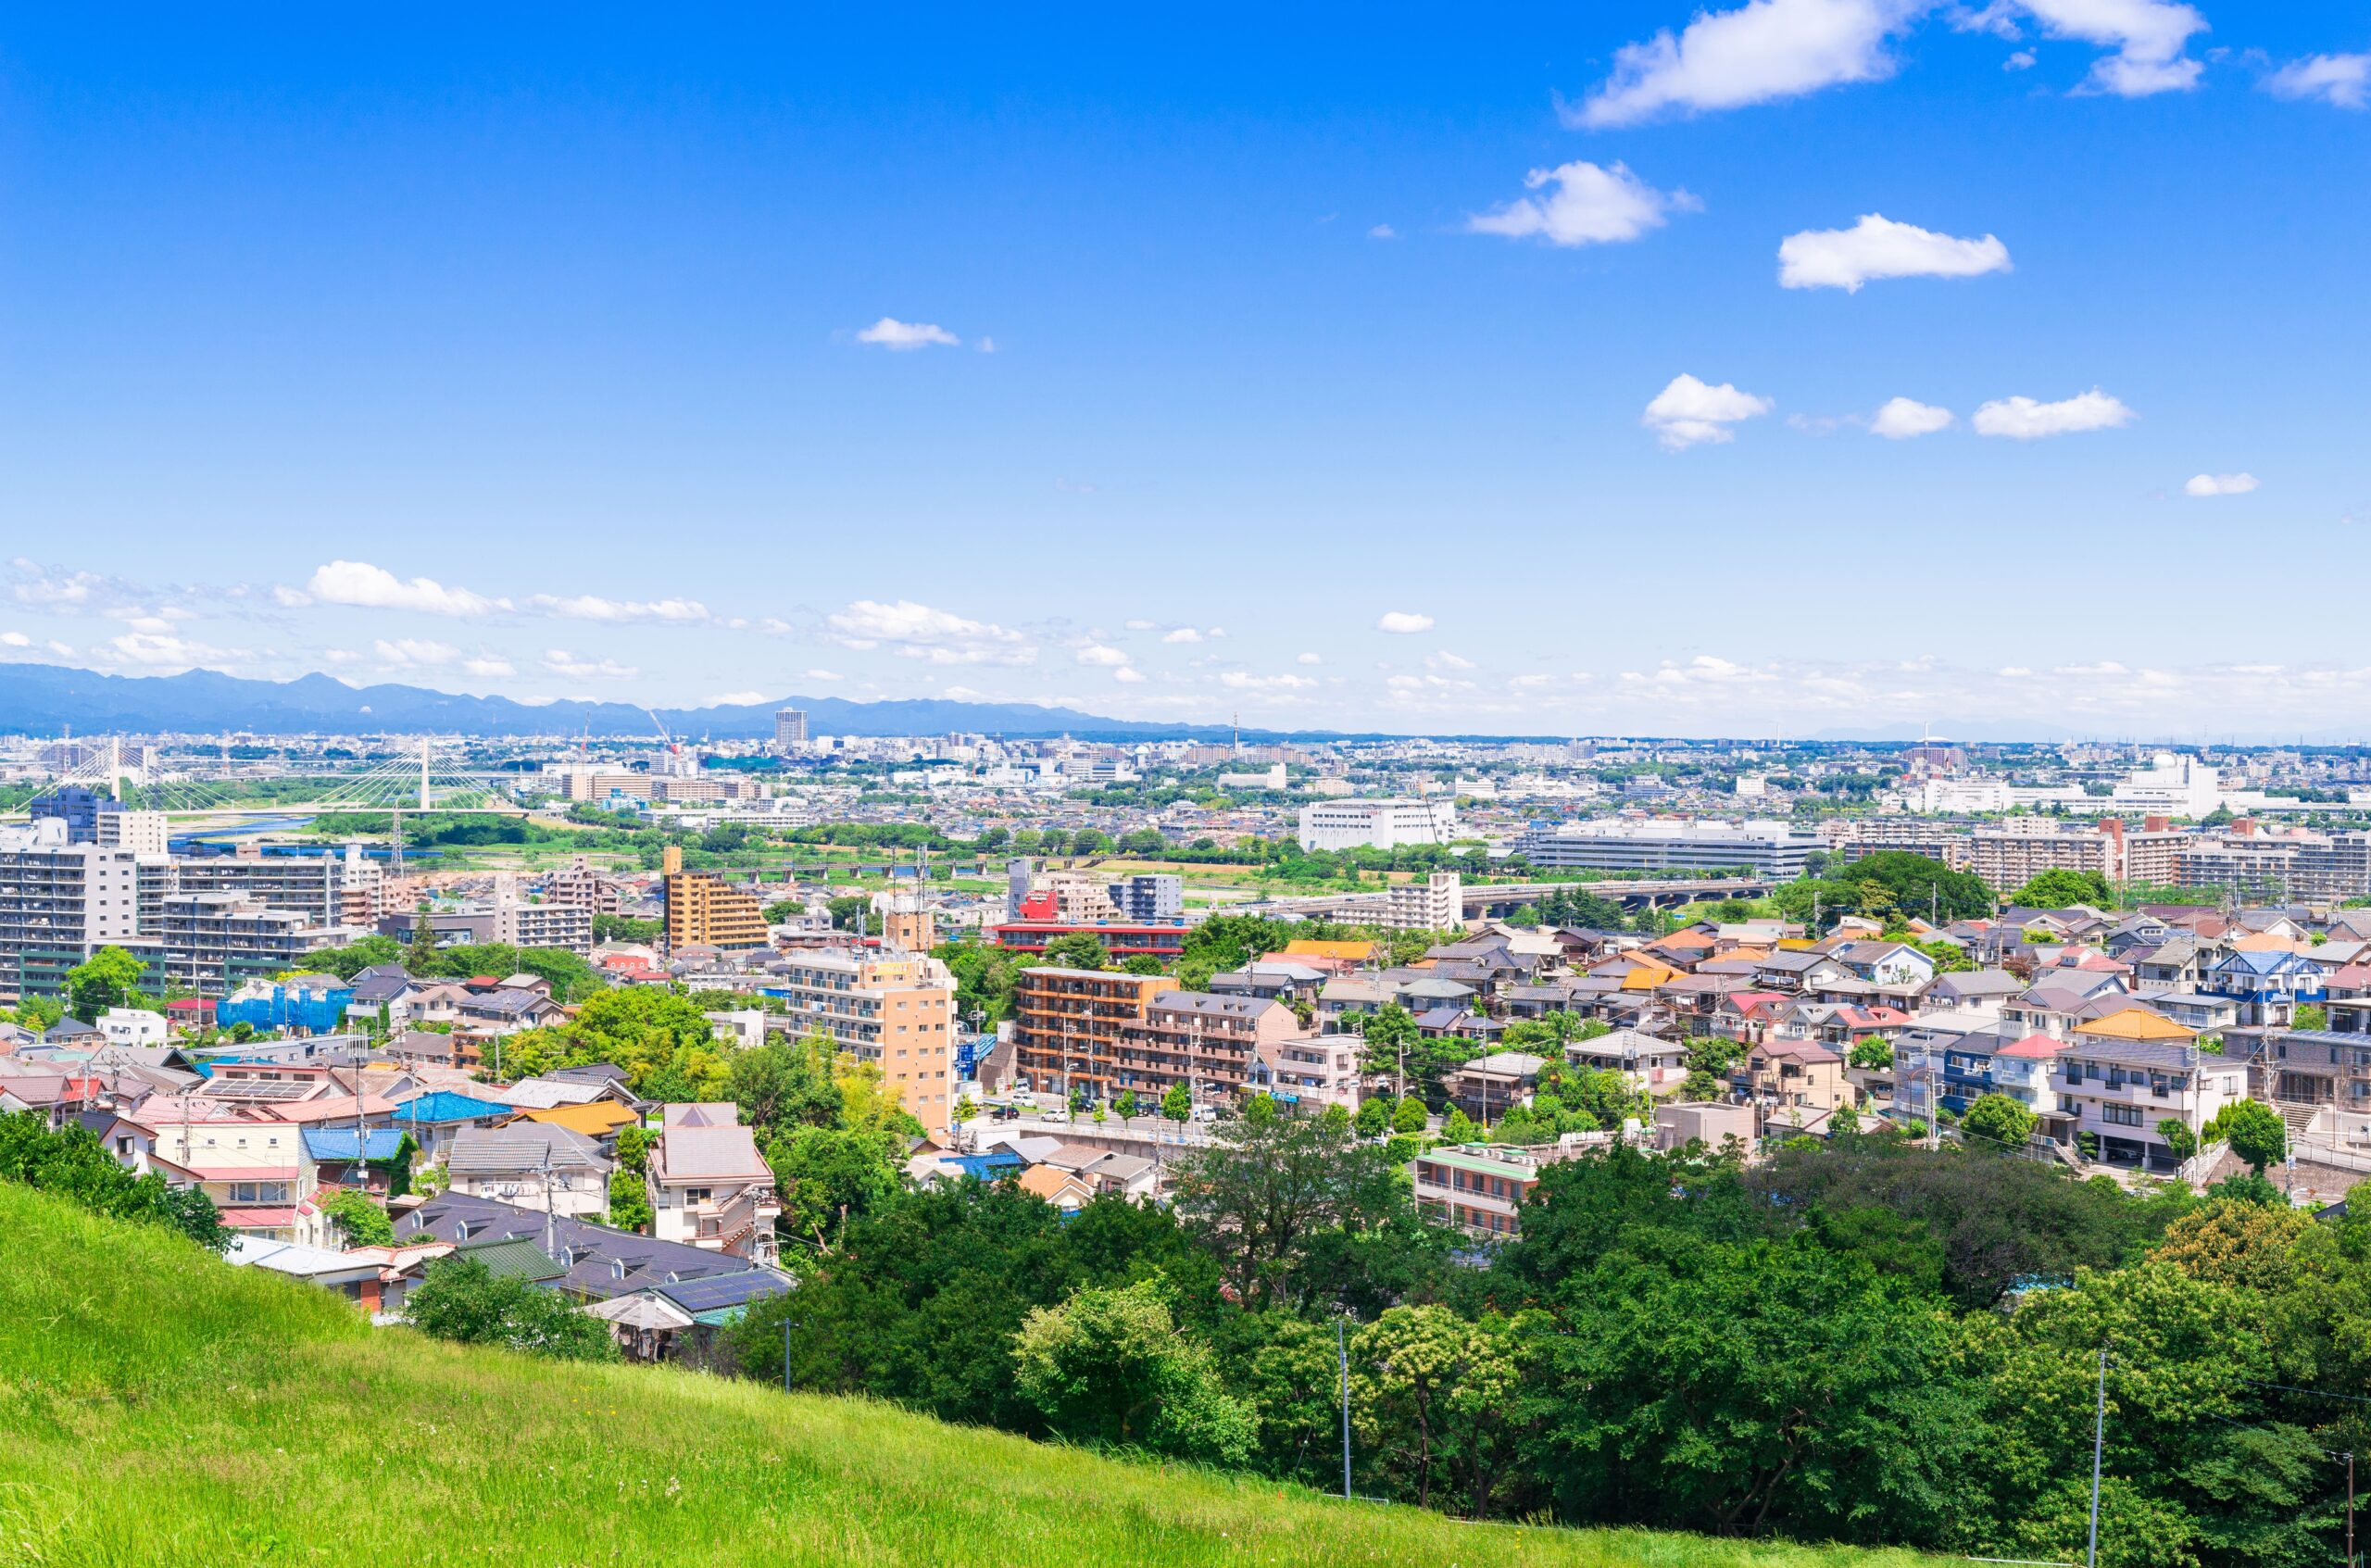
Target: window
{"points": [[2120, 1115]]}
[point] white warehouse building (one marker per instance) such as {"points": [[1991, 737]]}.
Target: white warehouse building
{"points": [[1380, 824]]}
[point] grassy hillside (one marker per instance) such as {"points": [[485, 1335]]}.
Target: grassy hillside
{"points": [[159, 1407]]}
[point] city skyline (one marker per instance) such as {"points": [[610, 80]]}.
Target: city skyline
{"points": [[1791, 369]]}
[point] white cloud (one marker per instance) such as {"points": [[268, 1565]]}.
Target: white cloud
{"points": [[2220, 484], [165, 654], [1127, 676], [2146, 36], [1102, 655], [1765, 50], [935, 637], [1902, 417], [737, 699], [560, 662], [289, 598], [1237, 680], [1404, 622], [1194, 634], [1310, 659], [1771, 49], [825, 675], [986, 345], [1444, 659], [1589, 206], [15, 640], [1383, 232], [1688, 412], [2342, 79], [2022, 418], [891, 334], [591, 607], [403, 652], [489, 667], [1879, 248], [372, 587]]}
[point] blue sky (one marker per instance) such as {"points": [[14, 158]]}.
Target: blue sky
{"points": [[562, 357]]}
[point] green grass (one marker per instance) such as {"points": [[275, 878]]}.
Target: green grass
{"points": [[162, 1407]]}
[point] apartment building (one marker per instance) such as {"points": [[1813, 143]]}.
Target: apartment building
{"points": [[895, 1011], [1761, 847], [1379, 824], [1150, 896], [2015, 852], [1204, 1040], [214, 943], [578, 884], [346, 888], [790, 732], [1481, 1189], [93, 818], [59, 902], [2331, 867], [2252, 869], [1438, 903], [1070, 1025], [1309, 1073], [706, 911]]}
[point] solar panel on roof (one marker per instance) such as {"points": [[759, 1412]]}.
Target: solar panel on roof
{"points": [[717, 1291]]}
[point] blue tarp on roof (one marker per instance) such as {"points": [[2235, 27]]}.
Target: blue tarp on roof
{"points": [[445, 1105], [337, 1143], [987, 1166]]}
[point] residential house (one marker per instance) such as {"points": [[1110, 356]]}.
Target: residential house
{"points": [[2120, 1090], [709, 1188], [1651, 1063], [1488, 1086], [1798, 1077], [2269, 986], [532, 1166]]}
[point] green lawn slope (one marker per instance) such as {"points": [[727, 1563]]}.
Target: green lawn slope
{"points": [[159, 1407]]}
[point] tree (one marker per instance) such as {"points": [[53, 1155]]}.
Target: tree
{"points": [[1266, 1190], [110, 978], [1110, 1367], [1126, 1104], [1177, 1103], [2178, 1137], [462, 1300], [1374, 1116], [1459, 1128], [1078, 950], [629, 1198], [359, 1220], [1384, 1035], [1997, 1122], [2058, 888], [1408, 1115], [634, 1148], [420, 957], [1872, 1054], [1433, 1396], [784, 1083], [2312, 1015], [2254, 1131]]}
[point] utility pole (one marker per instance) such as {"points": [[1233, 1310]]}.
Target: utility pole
{"points": [[2350, 1511], [1341, 1350], [2099, 1441]]}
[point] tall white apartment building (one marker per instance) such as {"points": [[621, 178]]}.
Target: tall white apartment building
{"points": [[1436, 903]]}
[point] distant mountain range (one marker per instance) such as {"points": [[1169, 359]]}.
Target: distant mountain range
{"points": [[47, 699]]}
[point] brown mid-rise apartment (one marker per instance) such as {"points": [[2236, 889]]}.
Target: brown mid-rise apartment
{"points": [[703, 909]]}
